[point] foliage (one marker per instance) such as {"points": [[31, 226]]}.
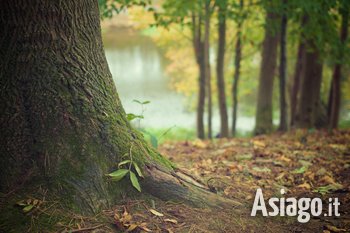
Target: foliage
{"points": [[129, 167]]}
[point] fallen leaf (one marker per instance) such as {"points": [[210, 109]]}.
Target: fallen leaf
{"points": [[131, 227], [170, 220], [335, 229], [259, 144], [156, 213], [328, 180], [305, 186]]}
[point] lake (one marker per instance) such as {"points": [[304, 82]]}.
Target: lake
{"points": [[138, 69]]}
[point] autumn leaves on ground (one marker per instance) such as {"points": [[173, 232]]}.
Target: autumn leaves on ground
{"points": [[304, 163]]}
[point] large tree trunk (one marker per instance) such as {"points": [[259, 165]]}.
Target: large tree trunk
{"points": [[224, 132], [309, 106], [198, 47], [207, 65], [63, 126], [263, 117], [237, 65], [283, 72], [335, 92]]}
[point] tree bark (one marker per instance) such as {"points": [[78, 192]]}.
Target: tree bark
{"points": [[237, 65], [207, 65], [198, 47], [335, 92], [282, 76], [309, 106], [267, 72], [224, 132], [63, 126], [296, 80]]}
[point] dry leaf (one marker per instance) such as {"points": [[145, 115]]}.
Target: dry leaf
{"points": [[259, 144], [156, 213], [328, 180], [131, 227], [335, 229], [170, 220], [304, 185]]}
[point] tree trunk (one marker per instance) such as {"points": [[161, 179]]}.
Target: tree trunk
{"points": [[207, 65], [283, 66], [224, 132], [237, 65], [296, 81], [198, 50], [309, 106], [63, 126], [335, 93], [267, 72]]}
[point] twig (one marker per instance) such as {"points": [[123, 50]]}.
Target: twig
{"points": [[86, 229]]}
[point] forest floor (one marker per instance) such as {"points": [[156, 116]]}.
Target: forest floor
{"points": [[303, 163]]}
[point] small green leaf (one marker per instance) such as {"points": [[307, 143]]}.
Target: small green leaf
{"points": [[146, 102], [135, 181], [137, 101], [124, 162], [118, 174], [131, 116], [28, 208], [138, 170]]}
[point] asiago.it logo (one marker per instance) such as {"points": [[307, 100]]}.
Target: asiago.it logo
{"points": [[304, 207]]}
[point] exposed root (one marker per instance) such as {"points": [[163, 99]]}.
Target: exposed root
{"points": [[178, 186]]}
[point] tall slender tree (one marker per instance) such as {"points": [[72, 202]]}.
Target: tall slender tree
{"points": [[237, 65], [283, 68], [309, 106], [198, 46], [335, 92], [296, 80], [207, 69], [222, 11], [263, 119]]}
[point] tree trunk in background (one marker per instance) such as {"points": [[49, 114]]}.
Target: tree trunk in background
{"points": [[283, 69], [263, 117], [335, 92], [296, 81], [224, 131], [237, 65], [207, 65], [62, 124], [198, 50], [309, 106]]}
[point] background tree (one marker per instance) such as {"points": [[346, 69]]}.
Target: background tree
{"points": [[283, 68], [222, 11], [263, 116], [335, 91], [237, 66]]}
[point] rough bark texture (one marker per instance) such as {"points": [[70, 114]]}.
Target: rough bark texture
{"points": [[224, 132], [267, 72], [198, 46], [335, 93], [63, 126], [309, 106], [283, 73], [237, 65]]}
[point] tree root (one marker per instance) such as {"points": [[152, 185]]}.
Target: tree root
{"points": [[178, 186]]}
